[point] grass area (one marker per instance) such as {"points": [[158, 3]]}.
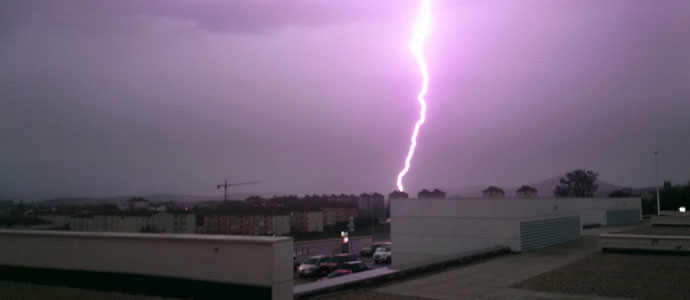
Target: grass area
{"points": [[333, 232]]}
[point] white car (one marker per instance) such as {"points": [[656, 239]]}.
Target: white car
{"points": [[383, 254], [310, 267]]}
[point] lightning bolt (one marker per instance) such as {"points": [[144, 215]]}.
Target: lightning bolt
{"points": [[421, 32]]}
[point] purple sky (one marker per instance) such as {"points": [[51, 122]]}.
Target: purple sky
{"points": [[101, 98]]}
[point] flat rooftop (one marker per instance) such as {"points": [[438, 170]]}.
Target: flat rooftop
{"points": [[573, 270]]}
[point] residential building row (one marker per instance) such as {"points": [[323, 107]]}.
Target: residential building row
{"points": [[246, 224], [141, 221], [166, 222], [524, 191]]}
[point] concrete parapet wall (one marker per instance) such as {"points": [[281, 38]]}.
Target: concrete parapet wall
{"points": [[593, 210], [259, 263], [671, 220], [644, 242], [675, 213]]}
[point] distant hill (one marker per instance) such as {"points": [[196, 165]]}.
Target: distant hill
{"points": [[545, 188], [153, 198]]}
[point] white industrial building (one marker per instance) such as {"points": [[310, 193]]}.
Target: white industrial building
{"points": [[430, 228]]}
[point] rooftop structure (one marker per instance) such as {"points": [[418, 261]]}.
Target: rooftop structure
{"points": [[526, 191], [493, 192], [436, 193]]}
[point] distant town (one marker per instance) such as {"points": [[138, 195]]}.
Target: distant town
{"points": [[300, 217]]}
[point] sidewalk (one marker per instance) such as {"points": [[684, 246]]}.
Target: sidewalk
{"points": [[493, 279]]}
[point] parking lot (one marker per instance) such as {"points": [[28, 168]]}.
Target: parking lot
{"points": [[330, 247]]}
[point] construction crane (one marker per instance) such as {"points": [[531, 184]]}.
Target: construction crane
{"points": [[226, 185]]}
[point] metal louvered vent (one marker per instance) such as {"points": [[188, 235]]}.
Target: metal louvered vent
{"points": [[543, 233]]}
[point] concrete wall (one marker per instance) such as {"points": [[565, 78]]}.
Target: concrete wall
{"points": [[593, 210], [428, 228], [264, 262]]}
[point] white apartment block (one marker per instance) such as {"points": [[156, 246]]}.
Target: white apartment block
{"points": [[280, 224], [307, 221]]}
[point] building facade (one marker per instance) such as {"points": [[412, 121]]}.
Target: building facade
{"points": [[493, 192], [526, 191], [306, 221]]}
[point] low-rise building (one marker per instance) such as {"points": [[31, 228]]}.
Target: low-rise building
{"points": [[436, 193], [397, 195], [493, 192], [526, 191]]}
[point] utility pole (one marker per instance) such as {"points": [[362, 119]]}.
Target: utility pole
{"points": [[373, 213], [656, 183], [226, 185]]}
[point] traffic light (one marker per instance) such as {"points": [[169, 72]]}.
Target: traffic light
{"points": [[344, 242]]}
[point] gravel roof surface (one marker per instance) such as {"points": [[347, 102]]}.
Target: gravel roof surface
{"points": [[660, 230], [364, 294], [25, 291], [633, 276]]}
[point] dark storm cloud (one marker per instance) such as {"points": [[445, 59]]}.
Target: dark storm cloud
{"points": [[99, 98], [238, 16]]}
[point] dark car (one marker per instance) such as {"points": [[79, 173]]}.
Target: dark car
{"points": [[354, 266], [334, 262], [368, 251]]}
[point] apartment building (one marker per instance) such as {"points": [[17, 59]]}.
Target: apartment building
{"points": [[139, 221], [306, 221]]}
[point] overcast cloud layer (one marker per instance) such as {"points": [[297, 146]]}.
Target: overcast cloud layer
{"points": [[101, 98]]}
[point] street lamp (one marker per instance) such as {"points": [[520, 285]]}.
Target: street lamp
{"points": [[656, 183]]}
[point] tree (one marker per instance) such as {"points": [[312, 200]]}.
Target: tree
{"points": [[622, 193], [673, 197], [577, 183]]}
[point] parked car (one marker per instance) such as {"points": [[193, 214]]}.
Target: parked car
{"points": [[334, 262], [383, 255], [336, 273], [310, 267], [368, 251], [354, 266]]}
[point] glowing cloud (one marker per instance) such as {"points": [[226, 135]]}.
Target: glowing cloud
{"points": [[422, 29]]}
